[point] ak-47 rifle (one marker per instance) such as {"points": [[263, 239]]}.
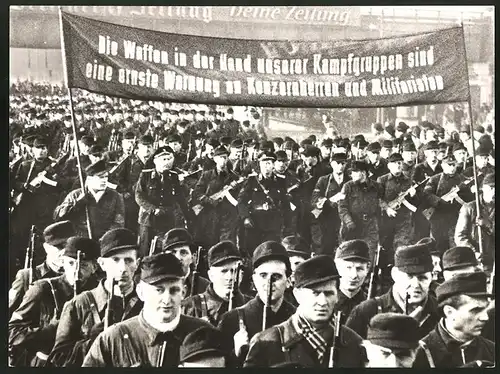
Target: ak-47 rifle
{"points": [[234, 287], [120, 162], [30, 252], [182, 174], [76, 284], [221, 194], [318, 209], [401, 198], [336, 340], [194, 278], [108, 314], [152, 247], [372, 286], [298, 184], [267, 306], [449, 197]]}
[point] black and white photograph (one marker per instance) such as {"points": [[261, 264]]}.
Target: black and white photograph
{"points": [[251, 186]]}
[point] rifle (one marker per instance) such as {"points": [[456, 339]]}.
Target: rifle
{"points": [[407, 303], [108, 314], [267, 306], [491, 284], [15, 162], [234, 287], [448, 197], [152, 247], [19, 197], [30, 252], [372, 286], [297, 185], [220, 194], [194, 278], [118, 165], [182, 174], [76, 284], [335, 198], [395, 204], [336, 340]]}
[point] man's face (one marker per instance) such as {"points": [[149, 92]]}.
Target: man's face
{"points": [[310, 160], [261, 276], [488, 193], [448, 168], [54, 256], [176, 146], [222, 277], [431, 155], [396, 167], [40, 152], [415, 285], [294, 262], [164, 162], [460, 155], [358, 176], [385, 152], [352, 273], [409, 157], [121, 267], [266, 167], [463, 136], [325, 151], [181, 129], [97, 182], [95, 157], [183, 253], [470, 317], [373, 156], [383, 357], [398, 133], [316, 302], [220, 161], [162, 300], [280, 166], [430, 135], [144, 150], [481, 161], [87, 268], [127, 145], [209, 151], [236, 153], [338, 166]]}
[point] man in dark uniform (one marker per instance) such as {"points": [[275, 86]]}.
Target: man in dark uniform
{"points": [[409, 153], [409, 294], [359, 209], [205, 160], [236, 160], [444, 218], [292, 183], [460, 153], [32, 327], [456, 340], [431, 166], [392, 341], [153, 338], [203, 348], [482, 166], [377, 165], [83, 317], [352, 262], [396, 224], [217, 218], [298, 251], [174, 142], [324, 201], [263, 205], [69, 173], [241, 324], [106, 209], [161, 200], [230, 125], [223, 262], [180, 243], [308, 335], [54, 240]]}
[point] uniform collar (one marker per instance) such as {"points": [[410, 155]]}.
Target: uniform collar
{"points": [[448, 338], [155, 336], [45, 269]]}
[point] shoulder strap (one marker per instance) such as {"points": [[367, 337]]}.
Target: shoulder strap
{"points": [[93, 307], [200, 304], [53, 290]]}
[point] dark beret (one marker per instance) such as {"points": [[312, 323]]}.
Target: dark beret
{"points": [[117, 240], [458, 147], [213, 142], [162, 151], [483, 151], [206, 341], [96, 150], [222, 252], [378, 127], [264, 156], [373, 147], [339, 157], [39, 142], [427, 125], [268, 251], [162, 266], [237, 143], [459, 257], [390, 129], [174, 138], [393, 330], [58, 233], [278, 141], [146, 140], [359, 143], [402, 126], [489, 180], [87, 140], [129, 135], [89, 248], [316, 270], [311, 151], [221, 150], [470, 284], [432, 145], [328, 143], [281, 156], [230, 111], [305, 142], [296, 246], [439, 130], [395, 157], [267, 145], [449, 159], [312, 137], [225, 140], [353, 250], [413, 259], [97, 168], [431, 245], [177, 237], [359, 166], [387, 144], [288, 144]]}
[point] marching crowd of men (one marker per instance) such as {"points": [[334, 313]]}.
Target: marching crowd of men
{"points": [[167, 236]]}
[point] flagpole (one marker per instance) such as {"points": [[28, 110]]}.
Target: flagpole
{"points": [[73, 122], [471, 129]]}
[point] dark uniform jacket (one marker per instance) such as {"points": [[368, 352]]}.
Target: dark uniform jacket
{"points": [[202, 162], [363, 313], [135, 343], [212, 182], [32, 327], [151, 193], [391, 186], [376, 171], [408, 170], [446, 352], [283, 343], [423, 170], [21, 283], [252, 314], [79, 315], [346, 304], [469, 172], [210, 306], [439, 185], [330, 210]]}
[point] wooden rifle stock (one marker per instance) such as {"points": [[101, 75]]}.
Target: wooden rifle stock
{"points": [[372, 287], [76, 284], [234, 287], [336, 338], [108, 314]]}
